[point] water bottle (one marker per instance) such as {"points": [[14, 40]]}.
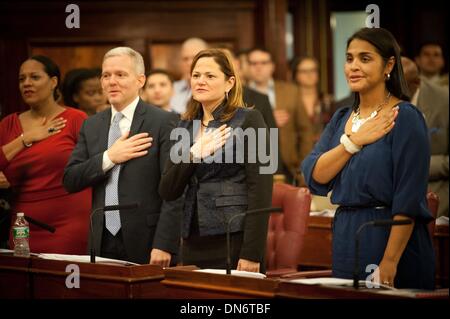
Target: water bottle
{"points": [[21, 234]]}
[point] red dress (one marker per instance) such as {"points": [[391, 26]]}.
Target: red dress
{"points": [[36, 175]]}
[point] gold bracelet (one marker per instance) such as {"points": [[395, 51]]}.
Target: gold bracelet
{"points": [[23, 142]]}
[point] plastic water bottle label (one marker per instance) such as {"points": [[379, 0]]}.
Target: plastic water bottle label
{"points": [[21, 232]]}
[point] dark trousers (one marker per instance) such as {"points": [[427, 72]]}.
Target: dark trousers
{"points": [[211, 251], [112, 246]]}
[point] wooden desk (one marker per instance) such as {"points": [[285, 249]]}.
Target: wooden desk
{"points": [[42, 278], [184, 283], [441, 247], [14, 277], [301, 291], [316, 253]]}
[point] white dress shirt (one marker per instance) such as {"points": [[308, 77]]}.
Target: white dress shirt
{"points": [[270, 92], [181, 95], [124, 124]]}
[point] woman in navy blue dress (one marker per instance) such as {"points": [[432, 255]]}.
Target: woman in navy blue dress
{"points": [[374, 157]]}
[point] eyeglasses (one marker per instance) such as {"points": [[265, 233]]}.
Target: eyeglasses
{"points": [[255, 63], [313, 70]]}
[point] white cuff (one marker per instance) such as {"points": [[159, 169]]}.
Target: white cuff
{"points": [[349, 146], [107, 164]]}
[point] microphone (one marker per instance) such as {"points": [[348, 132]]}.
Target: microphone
{"points": [[4, 205], [249, 212], [374, 223], [40, 224], [105, 209]]}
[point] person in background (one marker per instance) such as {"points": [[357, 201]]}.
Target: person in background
{"points": [[432, 100], [182, 89], [318, 106], [255, 99], [431, 63], [158, 89], [375, 158], [34, 148], [294, 127], [241, 58], [219, 189], [82, 90]]}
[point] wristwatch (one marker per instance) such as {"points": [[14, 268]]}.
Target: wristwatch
{"points": [[23, 142]]}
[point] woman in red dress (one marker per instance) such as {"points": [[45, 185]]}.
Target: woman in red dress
{"points": [[34, 149]]}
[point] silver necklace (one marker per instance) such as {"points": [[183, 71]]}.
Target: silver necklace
{"points": [[357, 122]]}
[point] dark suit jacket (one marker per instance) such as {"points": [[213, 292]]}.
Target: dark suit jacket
{"points": [[433, 102], [149, 225], [218, 191], [261, 103]]}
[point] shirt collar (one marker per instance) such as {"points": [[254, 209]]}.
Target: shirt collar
{"points": [[415, 97], [128, 111], [270, 85], [216, 113]]}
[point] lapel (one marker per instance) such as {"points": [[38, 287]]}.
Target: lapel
{"points": [[138, 118], [105, 123], [136, 125]]}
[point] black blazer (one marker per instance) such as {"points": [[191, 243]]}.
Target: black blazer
{"points": [[218, 191], [261, 103], [149, 225]]}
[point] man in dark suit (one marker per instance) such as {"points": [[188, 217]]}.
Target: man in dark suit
{"points": [[295, 130], [432, 100], [121, 153], [253, 98]]}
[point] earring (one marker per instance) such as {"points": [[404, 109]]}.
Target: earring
{"points": [[388, 76], [226, 95]]}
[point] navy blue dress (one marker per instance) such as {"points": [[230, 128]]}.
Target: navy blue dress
{"points": [[385, 178]]}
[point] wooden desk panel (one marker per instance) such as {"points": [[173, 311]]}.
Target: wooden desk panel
{"points": [[316, 253], [441, 247], [40, 278], [301, 291], [14, 277], [96, 280], [184, 283]]}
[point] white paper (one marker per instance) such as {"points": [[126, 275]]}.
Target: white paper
{"points": [[323, 213], [84, 259], [234, 273], [11, 252], [443, 220], [330, 281]]}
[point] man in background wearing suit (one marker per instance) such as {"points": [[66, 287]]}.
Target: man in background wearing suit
{"points": [[431, 63], [121, 153], [182, 88], [295, 130], [432, 100]]}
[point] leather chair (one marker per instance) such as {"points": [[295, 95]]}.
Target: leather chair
{"points": [[287, 230]]}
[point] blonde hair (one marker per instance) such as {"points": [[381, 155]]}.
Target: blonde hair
{"points": [[234, 100], [135, 56]]}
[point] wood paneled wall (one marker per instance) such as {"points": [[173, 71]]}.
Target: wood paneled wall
{"points": [[156, 27], [39, 27]]}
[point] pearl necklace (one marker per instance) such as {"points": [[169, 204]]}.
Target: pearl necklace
{"points": [[357, 122]]}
